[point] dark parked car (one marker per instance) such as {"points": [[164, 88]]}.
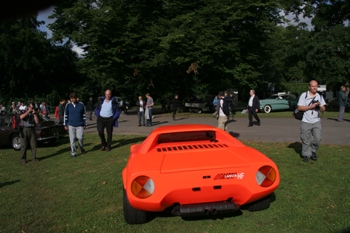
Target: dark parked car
{"points": [[46, 132]]}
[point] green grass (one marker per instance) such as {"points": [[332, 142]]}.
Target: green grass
{"points": [[61, 194]]}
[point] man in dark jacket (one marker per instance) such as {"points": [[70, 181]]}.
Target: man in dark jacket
{"points": [[174, 105], [75, 123], [342, 100], [253, 108], [61, 107], [107, 113]]}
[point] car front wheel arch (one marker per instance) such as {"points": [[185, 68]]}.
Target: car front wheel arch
{"points": [[267, 108]]}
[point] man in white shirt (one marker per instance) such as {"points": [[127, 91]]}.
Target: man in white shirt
{"points": [[140, 103], [222, 118], [311, 103]]}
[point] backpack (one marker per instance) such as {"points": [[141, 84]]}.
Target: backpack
{"points": [[300, 114], [227, 105], [16, 122]]}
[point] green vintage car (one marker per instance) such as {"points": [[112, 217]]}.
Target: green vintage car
{"points": [[277, 102]]}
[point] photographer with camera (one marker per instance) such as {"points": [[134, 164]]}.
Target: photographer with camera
{"points": [[29, 119], [311, 103]]}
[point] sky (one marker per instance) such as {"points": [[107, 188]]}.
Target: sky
{"points": [[44, 16]]}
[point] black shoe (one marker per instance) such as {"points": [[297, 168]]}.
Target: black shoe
{"points": [[83, 151], [35, 160], [108, 148], [74, 156], [314, 156], [259, 124], [306, 159], [23, 161], [102, 148], [139, 125]]}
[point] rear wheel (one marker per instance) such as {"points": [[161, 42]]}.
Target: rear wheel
{"points": [[267, 108], [16, 142], [261, 204], [132, 215]]}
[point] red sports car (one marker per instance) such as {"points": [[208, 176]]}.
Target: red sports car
{"points": [[193, 170]]}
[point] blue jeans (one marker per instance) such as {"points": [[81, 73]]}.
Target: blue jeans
{"points": [[141, 116], [149, 121]]}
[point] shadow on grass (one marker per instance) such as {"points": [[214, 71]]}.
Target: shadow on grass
{"points": [[297, 146], [8, 183], [122, 142], [347, 230], [168, 212]]}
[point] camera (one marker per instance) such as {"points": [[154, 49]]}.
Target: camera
{"points": [[317, 106]]}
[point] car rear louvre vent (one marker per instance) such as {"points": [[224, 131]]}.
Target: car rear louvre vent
{"points": [[190, 147], [217, 187], [196, 189]]}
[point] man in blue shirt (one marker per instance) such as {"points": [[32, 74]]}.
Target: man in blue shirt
{"points": [[75, 122], [107, 113]]}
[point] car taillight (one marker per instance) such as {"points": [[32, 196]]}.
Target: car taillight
{"points": [[266, 176], [142, 187]]}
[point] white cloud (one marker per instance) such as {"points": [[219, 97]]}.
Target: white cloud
{"points": [[78, 50], [290, 17]]}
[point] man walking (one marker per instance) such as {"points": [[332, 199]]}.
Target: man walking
{"points": [[174, 105], [342, 100], [149, 107], [90, 108], [61, 107], [253, 108], [107, 113], [75, 123], [311, 103], [222, 117], [29, 118]]}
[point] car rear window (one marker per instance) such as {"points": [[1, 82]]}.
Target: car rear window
{"points": [[187, 136]]}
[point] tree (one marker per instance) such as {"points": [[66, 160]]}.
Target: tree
{"points": [[187, 47]]}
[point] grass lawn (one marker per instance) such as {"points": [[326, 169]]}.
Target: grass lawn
{"points": [[61, 194]]}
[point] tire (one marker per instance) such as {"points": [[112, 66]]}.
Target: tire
{"points": [[261, 204], [131, 215], [16, 142], [267, 108]]}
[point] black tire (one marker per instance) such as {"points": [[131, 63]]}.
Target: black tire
{"points": [[267, 108], [16, 142], [261, 204], [131, 215]]}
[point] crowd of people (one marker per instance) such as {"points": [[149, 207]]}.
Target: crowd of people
{"points": [[73, 115]]}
